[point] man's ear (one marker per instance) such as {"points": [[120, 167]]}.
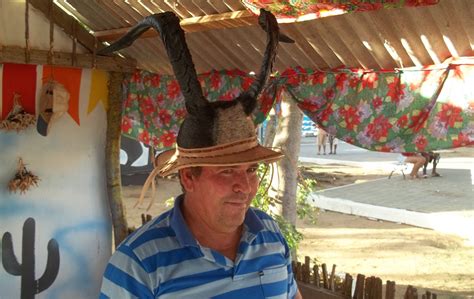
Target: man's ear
{"points": [[187, 179]]}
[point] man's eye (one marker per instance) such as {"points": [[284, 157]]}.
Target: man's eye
{"points": [[252, 169]]}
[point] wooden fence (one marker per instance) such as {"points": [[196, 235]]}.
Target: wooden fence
{"points": [[317, 282]]}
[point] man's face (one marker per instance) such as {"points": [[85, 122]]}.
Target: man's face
{"points": [[220, 196]]}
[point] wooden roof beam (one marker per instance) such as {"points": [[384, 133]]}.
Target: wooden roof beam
{"points": [[12, 54], [73, 28], [218, 21]]}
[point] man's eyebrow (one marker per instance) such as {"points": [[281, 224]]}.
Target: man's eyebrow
{"points": [[237, 166]]}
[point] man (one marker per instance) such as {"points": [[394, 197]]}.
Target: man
{"points": [[416, 159], [322, 136], [431, 157], [211, 244], [332, 144]]}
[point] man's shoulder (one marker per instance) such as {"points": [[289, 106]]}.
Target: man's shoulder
{"points": [[268, 221], [261, 214], [156, 228]]}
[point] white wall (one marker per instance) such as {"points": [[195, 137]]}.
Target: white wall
{"points": [[70, 204], [12, 28]]}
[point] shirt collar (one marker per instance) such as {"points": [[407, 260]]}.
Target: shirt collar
{"points": [[252, 222], [183, 234]]}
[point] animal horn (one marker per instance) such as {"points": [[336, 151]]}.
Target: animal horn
{"points": [[268, 22], [167, 25]]}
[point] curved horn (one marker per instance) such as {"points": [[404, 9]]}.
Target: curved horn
{"points": [[167, 25], [268, 22]]}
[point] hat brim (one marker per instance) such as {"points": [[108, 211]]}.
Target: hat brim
{"points": [[171, 161]]}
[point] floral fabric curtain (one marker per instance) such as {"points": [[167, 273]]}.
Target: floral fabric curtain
{"points": [[409, 110], [292, 10], [154, 106], [405, 111]]}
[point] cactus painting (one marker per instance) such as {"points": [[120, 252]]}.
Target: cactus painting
{"points": [[29, 285]]}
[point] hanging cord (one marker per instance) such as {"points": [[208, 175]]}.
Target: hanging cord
{"points": [[74, 43], [27, 32], [51, 34], [94, 55]]}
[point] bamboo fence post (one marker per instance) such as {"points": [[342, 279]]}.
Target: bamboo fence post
{"points": [[378, 288], [306, 271], [411, 293], [299, 272], [359, 290], [332, 286], [390, 290], [112, 158], [347, 288], [317, 279], [325, 276], [368, 288]]}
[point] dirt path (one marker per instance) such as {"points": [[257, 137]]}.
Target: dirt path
{"points": [[405, 254]]}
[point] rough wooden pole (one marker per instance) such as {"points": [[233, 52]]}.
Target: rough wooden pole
{"points": [[112, 158], [288, 138]]}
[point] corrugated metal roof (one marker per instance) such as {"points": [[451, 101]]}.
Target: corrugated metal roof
{"points": [[223, 35]]}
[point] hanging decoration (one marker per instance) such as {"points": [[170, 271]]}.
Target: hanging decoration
{"points": [[70, 78], [18, 79], [54, 102], [303, 10], [407, 110], [410, 110], [23, 180], [99, 90], [18, 119]]}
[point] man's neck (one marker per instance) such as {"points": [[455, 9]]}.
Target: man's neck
{"points": [[224, 242]]}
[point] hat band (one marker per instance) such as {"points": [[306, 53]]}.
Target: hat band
{"points": [[218, 150]]}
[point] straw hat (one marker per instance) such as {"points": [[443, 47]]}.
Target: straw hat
{"points": [[217, 133]]}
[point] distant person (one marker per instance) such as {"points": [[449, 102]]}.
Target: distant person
{"points": [[417, 160], [322, 137], [332, 144], [431, 157]]}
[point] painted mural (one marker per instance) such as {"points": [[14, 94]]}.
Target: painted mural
{"points": [[55, 236]]}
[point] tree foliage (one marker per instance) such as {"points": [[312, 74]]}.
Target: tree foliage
{"points": [[304, 210]]}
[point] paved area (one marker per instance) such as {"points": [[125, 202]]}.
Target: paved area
{"points": [[441, 203]]}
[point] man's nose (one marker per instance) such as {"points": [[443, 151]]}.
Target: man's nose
{"points": [[242, 184]]}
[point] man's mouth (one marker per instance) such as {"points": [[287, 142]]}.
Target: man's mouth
{"points": [[240, 202]]}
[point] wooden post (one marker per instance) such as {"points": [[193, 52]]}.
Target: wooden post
{"points": [[332, 278], [112, 158], [411, 293], [306, 271], [368, 288], [317, 279], [347, 289], [325, 277], [359, 290], [390, 290], [299, 272], [378, 288]]}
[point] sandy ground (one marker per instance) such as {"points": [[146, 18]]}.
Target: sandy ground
{"points": [[407, 255]]}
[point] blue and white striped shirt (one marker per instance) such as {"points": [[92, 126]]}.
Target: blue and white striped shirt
{"points": [[162, 259]]}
